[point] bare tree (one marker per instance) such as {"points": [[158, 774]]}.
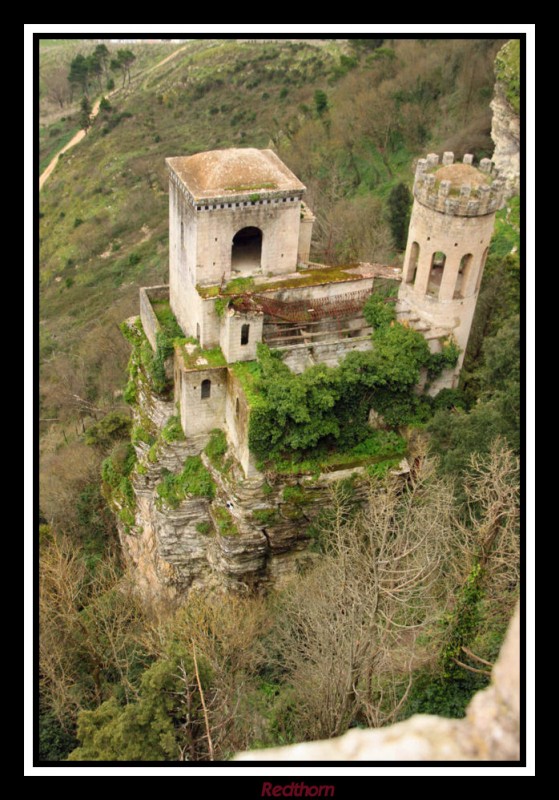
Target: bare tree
{"points": [[491, 532], [88, 629], [57, 86], [225, 636], [349, 629]]}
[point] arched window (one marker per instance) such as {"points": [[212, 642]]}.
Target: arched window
{"points": [[206, 389], [246, 250], [198, 331], [412, 264], [436, 274], [463, 277], [237, 407], [245, 329]]}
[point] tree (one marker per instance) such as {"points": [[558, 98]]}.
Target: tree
{"points": [[399, 205], [88, 620], [102, 54], [123, 62], [79, 73], [146, 730], [85, 114], [348, 631], [194, 701], [56, 82], [95, 68]]}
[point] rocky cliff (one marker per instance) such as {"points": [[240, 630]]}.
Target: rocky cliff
{"points": [[192, 519], [505, 127]]}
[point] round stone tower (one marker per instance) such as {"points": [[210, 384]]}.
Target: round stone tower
{"points": [[448, 241]]}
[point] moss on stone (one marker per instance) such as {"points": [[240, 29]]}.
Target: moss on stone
{"points": [[194, 480], [224, 521]]}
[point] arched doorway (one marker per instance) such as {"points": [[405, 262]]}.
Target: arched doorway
{"points": [[246, 251]]}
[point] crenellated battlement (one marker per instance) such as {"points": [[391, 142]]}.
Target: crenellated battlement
{"points": [[458, 188]]}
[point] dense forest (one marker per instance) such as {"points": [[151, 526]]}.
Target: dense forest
{"points": [[430, 574]]}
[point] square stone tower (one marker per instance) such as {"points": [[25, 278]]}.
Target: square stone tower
{"points": [[232, 213]]}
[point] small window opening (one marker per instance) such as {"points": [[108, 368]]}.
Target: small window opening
{"points": [[206, 389]]}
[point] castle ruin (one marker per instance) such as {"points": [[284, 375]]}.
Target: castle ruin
{"points": [[239, 274]]}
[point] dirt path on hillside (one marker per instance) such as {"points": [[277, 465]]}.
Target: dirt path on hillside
{"points": [[94, 111], [73, 141]]}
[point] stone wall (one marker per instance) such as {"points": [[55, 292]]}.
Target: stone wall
{"points": [[200, 413], [201, 240], [237, 416], [300, 357], [150, 322], [305, 234], [490, 731], [182, 259], [232, 324]]}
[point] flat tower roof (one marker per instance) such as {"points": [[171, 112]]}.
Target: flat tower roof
{"points": [[235, 171]]}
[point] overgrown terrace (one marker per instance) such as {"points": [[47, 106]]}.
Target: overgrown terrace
{"points": [[312, 275]]}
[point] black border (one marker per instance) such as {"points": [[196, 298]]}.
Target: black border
{"points": [[254, 781]]}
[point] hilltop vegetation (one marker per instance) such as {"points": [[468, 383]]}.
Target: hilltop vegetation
{"points": [[348, 119]]}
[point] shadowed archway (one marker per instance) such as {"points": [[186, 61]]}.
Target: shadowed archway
{"points": [[246, 252]]}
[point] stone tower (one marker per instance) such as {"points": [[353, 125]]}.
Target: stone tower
{"points": [[232, 213], [448, 242]]}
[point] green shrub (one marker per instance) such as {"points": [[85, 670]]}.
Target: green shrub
{"points": [[225, 524], [204, 528], [140, 434], [446, 359], [507, 71], [221, 305], [114, 425], [305, 417], [194, 480], [294, 494], [172, 430], [378, 312], [216, 447], [264, 516]]}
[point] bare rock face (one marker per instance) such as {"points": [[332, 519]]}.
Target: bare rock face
{"points": [[505, 132], [489, 732]]}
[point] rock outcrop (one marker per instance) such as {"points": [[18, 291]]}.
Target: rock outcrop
{"points": [[246, 533], [489, 732], [505, 132]]}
